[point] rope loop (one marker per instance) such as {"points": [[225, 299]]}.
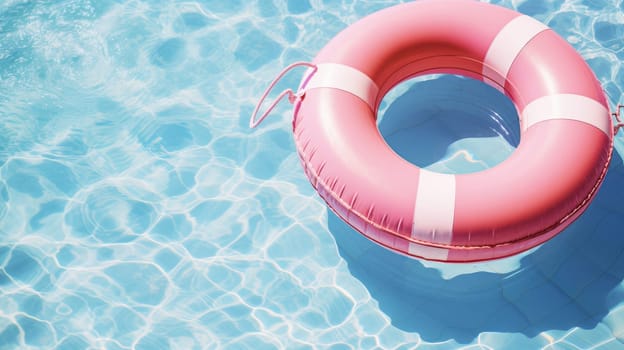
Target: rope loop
{"points": [[292, 96]]}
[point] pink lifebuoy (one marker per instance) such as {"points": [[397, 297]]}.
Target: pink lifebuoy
{"points": [[545, 184]]}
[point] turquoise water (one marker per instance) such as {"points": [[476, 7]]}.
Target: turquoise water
{"points": [[138, 211]]}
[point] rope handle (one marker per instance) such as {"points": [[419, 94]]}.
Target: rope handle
{"points": [[292, 96], [619, 123]]}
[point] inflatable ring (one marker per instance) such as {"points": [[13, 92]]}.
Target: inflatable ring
{"points": [[545, 184]]}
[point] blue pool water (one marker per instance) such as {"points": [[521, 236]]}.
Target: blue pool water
{"points": [[138, 211]]}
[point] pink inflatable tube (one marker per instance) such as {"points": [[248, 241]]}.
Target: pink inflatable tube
{"points": [[549, 180]]}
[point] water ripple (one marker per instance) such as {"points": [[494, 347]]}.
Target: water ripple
{"points": [[137, 211]]}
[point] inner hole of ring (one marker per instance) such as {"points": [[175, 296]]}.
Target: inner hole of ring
{"points": [[449, 124]]}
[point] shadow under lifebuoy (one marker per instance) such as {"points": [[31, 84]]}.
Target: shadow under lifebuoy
{"points": [[567, 282]]}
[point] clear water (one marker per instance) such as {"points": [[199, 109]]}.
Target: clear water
{"points": [[449, 124], [138, 211]]}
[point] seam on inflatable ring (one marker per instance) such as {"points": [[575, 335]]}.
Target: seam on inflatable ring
{"points": [[349, 208], [596, 186]]}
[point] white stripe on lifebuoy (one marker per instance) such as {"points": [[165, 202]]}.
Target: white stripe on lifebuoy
{"points": [[349, 79], [434, 253], [435, 207], [506, 46], [566, 106]]}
